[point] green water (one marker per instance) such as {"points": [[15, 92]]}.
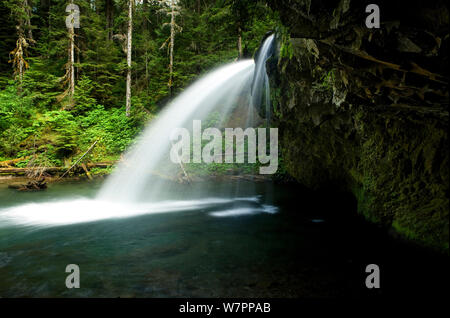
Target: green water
{"points": [[312, 247]]}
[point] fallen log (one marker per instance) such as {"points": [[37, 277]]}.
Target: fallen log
{"points": [[105, 164], [86, 171], [9, 163], [81, 158], [49, 170]]}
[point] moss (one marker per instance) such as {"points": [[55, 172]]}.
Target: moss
{"points": [[101, 171], [364, 201], [343, 123], [286, 50], [406, 232], [394, 163]]}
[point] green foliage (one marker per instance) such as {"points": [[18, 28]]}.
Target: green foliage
{"points": [[36, 120], [286, 49], [84, 101], [15, 113]]}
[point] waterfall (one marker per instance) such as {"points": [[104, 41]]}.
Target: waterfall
{"points": [[152, 148], [218, 89], [260, 85], [136, 186]]}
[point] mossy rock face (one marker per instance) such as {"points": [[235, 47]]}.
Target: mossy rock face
{"points": [[350, 118]]}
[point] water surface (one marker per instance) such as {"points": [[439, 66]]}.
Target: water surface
{"points": [[273, 241]]}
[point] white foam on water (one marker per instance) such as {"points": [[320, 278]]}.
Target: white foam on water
{"points": [[88, 210], [245, 211], [84, 210]]}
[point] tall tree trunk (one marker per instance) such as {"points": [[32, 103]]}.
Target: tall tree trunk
{"points": [[146, 37], [18, 61], [240, 43], [46, 5], [78, 59], [19, 52], [27, 21], [109, 18], [172, 43], [72, 61], [129, 45], [20, 73], [146, 14], [146, 69]]}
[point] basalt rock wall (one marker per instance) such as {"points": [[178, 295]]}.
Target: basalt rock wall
{"points": [[366, 110]]}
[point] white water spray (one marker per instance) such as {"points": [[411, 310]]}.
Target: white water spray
{"points": [[127, 182], [261, 87]]}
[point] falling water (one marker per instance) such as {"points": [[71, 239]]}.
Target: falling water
{"points": [[136, 186], [260, 86], [128, 181]]}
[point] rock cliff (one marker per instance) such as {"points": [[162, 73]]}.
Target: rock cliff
{"points": [[366, 110]]}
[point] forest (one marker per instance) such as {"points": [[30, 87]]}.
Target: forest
{"points": [[63, 88], [114, 118]]}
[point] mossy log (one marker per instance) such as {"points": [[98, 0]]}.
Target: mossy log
{"points": [[11, 162], [51, 170]]}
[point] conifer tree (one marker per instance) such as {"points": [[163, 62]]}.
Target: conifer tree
{"points": [[170, 8], [71, 65], [99, 66], [109, 11], [129, 47], [20, 9], [69, 76]]}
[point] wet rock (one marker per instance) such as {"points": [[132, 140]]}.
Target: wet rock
{"points": [[366, 110]]}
